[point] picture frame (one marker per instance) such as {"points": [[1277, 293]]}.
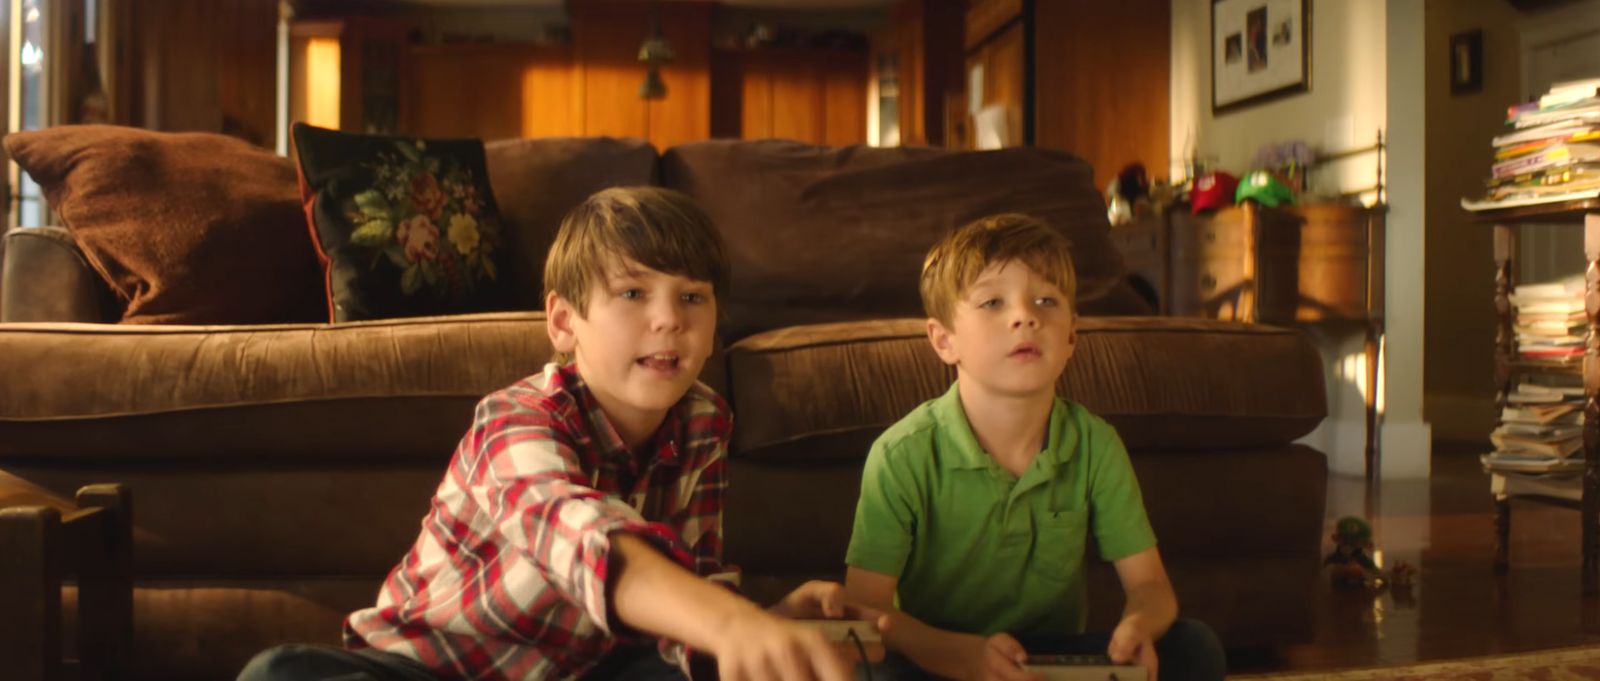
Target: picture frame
{"points": [[1260, 51], [1466, 62]]}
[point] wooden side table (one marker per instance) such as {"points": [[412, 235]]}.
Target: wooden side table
{"points": [[1508, 365], [1314, 263], [40, 545]]}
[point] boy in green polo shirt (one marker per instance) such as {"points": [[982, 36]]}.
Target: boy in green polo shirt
{"points": [[976, 508]]}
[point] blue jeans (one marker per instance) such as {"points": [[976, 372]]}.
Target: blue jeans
{"points": [[326, 663], [1190, 651], [297, 662]]}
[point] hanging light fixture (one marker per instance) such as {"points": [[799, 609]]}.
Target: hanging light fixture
{"points": [[654, 52]]}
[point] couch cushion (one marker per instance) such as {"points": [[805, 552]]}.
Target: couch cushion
{"points": [[185, 228], [822, 234], [378, 390], [828, 390], [404, 227], [536, 181]]}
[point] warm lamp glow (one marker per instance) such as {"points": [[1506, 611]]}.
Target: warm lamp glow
{"points": [[322, 82]]}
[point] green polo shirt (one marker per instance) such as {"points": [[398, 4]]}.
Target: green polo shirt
{"points": [[979, 550]]}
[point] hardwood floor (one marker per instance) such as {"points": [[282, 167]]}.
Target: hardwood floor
{"points": [[1458, 607]]}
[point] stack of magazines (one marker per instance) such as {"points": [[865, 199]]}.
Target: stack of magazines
{"points": [[1541, 428], [1552, 150], [1551, 324]]}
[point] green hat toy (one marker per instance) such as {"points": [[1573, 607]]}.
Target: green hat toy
{"points": [[1265, 188]]}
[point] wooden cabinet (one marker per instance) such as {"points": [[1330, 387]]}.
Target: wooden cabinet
{"points": [[1314, 263], [1307, 263], [1239, 263], [1145, 248], [807, 94]]}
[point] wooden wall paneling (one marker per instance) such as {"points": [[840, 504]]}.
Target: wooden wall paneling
{"points": [[755, 100], [929, 34], [491, 91], [467, 91], [798, 105], [246, 69], [845, 97], [196, 66], [606, 38], [179, 57], [727, 93], [64, 57], [119, 41], [552, 105], [985, 17], [941, 73], [1101, 81], [685, 114], [607, 35], [1005, 78], [908, 19]]}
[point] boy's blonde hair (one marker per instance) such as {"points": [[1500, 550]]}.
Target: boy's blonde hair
{"points": [[655, 227], [957, 259]]}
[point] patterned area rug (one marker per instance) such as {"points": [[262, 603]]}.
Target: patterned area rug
{"points": [[1562, 664]]}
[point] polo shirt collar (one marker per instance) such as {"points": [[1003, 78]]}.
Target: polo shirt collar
{"points": [[952, 419], [968, 454]]}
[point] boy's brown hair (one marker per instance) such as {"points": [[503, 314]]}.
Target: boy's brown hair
{"points": [[655, 227], [957, 259]]}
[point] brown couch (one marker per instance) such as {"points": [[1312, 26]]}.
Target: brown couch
{"points": [[279, 471]]}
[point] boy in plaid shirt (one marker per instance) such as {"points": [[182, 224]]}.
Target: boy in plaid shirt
{"points": [[578, 530]]}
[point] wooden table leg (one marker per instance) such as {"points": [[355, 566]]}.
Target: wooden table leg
{"points": [[1591, 409], [1502, 535], [30, 593], [1369, 351]]}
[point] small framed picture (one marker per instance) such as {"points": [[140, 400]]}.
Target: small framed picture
{"points": [[1466, 62], [1260, 50]]}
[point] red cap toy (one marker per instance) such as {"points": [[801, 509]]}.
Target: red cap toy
{"points": [[1212, 190]]}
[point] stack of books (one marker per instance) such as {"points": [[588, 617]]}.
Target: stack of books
{"points": [[1541, 428], [1552, 152], [1551, 324]]}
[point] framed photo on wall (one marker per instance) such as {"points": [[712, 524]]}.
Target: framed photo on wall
{"points": [[1260, 50]]}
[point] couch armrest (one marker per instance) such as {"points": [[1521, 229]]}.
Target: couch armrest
{"points": [[45, 278]]}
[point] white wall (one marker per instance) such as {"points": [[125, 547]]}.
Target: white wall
{"points": [[1344, 109], [1366, 75]]}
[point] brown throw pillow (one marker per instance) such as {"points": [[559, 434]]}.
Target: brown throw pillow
{"points": [[186, 228], [827, 234], [404, 227]]}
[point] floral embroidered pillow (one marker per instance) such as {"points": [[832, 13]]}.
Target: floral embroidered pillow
{"points": [[404, 227]]}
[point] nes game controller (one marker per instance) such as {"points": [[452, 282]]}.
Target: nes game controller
{"points": [[838, 631], [1083, 668]]}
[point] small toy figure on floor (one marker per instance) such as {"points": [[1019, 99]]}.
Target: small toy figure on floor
{"points": [[1352, 563], [1401, 577]]}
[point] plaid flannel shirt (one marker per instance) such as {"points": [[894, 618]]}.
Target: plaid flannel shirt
{"points": [[507, 579]]}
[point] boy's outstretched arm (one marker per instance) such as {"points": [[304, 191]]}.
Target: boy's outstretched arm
{"points": [[652, 594], [945, 653], [1151, 608]]}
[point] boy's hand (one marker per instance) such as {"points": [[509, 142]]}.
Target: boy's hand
{"points": [[1131, 644], [759, 646], [1001, 659], [826, 600]]}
